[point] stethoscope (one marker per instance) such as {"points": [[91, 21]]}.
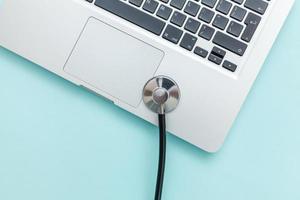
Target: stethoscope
{"points": [[161, 95]]}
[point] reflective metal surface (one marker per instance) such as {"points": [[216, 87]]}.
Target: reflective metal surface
{"points": [[161, 94]]}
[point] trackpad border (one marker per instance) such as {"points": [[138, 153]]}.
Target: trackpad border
{"points": [[113, 61]]}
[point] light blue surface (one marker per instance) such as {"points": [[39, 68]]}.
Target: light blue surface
{"points": [[59, 142]]}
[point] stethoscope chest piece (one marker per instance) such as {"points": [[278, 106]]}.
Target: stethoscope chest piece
{"points": [[161, 94]]}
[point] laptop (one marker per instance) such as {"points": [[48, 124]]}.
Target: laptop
{"points": [[213, 50]]}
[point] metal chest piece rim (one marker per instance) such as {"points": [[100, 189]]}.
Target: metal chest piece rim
{"points": [[161, 94]]}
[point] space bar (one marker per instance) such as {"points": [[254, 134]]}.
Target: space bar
{"points": [[132, 14]]}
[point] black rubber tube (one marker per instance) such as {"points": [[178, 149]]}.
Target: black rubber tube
{"points": [[162, 156]]}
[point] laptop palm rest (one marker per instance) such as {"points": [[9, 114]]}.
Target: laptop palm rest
{"points": [[113, 61]]}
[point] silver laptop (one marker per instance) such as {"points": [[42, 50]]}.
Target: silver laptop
{"points": [[213, 49]]}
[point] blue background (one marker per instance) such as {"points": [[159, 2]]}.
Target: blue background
{"points": [[60, 142]]}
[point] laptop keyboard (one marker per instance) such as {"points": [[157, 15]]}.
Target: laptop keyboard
{"points": [[228, 24]]}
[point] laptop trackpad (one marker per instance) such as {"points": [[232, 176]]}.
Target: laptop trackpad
{"points": [[113, 61]]}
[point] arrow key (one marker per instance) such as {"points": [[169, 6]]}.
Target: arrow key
{"points": [[229, 65]]}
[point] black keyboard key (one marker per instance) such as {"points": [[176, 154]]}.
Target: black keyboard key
{"points": [[164, 12], [150, 6], [238, 13], [220, 22], [217, 55], [136, 2], [235, 29], [209, 3], [172, 34], [230, 43], [206, 15], [218, 52], [192, 8], [258, 6], [252, 21], [201, 52], [178, 18], [192, 25], [224, 6], [178, 4], [188, 42], [90, 1], [215, 59], [238, 1], [132, 14], [206, 32], [230, 66]]}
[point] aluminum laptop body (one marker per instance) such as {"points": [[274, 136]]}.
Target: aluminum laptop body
{"points": [[213, 49]]}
